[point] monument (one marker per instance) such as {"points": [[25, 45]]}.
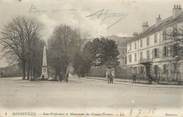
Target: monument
{"points": [[44, 72]]}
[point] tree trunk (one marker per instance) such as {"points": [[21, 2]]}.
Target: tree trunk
{"points": [[60, 76], [23, 70], [31, 72], [28, 71], [66, 74], [56, 75]]}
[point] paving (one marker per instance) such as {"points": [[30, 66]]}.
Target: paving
{"points": [[86, 93]]}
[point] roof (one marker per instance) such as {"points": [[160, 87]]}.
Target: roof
{"points": [[159, 26]]}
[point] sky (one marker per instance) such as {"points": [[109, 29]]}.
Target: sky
{"points": [[93, 17]]}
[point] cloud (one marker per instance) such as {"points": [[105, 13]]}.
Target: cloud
{"points": [[70, 14], [92, 27], [74, 12], [7, 1]]}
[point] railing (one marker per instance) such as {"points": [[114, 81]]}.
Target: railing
{"points": [[147, 60]]}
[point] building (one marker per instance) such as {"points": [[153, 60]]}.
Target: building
{"points": [[152, 53]]}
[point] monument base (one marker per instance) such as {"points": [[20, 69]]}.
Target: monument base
{"points": [[52, 79], [44, 75], [43, 78]]}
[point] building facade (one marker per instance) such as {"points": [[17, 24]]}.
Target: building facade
{"points": [[154, 53]]}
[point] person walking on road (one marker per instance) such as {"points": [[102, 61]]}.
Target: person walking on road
{"points": [[110, 74]]}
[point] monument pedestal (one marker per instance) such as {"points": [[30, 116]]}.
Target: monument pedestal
{"points": [[44, 73]]}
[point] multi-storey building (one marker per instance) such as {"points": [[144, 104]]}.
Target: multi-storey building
{"points": [[153, 51]]}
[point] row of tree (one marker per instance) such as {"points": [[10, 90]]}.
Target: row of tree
{"points": [[63, 46], [65, 50], [22, 43]]}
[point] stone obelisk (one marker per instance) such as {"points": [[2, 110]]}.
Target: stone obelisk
{"points": [[44, 73]]}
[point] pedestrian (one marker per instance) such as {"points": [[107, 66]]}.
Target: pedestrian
{"points": [[67, 76], [134, 78], [112, 75], [42, 77], [108, 75]]}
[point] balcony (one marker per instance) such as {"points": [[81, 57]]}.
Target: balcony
{"points": [[145, 61]]}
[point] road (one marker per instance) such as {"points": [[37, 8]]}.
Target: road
{"points": [[85, 93]]}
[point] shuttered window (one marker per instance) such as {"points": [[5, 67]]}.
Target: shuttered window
{"points": [[148, 55], [135, 59], [147, 41], [155, 38], [155, 53], [130, 58], [141, 43]]}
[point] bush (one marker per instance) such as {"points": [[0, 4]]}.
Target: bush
{"points": [[120, 72]]}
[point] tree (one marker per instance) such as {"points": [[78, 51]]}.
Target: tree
{"points": [[111, 53], [100, 51], [81, 64], [36, 58], [63, 46], [177, 48], [18, 39], [103, 51]]}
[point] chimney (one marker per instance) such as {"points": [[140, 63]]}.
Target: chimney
{"points": [[158, 19], [145, 26], [177, 10]]}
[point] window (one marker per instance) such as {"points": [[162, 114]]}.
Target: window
{"points": [[165, 51], [156, 53], [141, 43], [169, 51], [141, 55], [141, 69], [155, 38], [130, 46], [125, 60], [135, 45], [175, 30], [165, 68], [156, 70], [164, 35], [135, 59], [135, 70], [148, 55], [130, 58], [147, 40], [175, 50]]}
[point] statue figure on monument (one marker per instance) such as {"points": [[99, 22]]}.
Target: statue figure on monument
{"points": [[44, 72]]}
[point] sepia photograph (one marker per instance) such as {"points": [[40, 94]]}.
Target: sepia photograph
{"points": [[91, 58]]}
